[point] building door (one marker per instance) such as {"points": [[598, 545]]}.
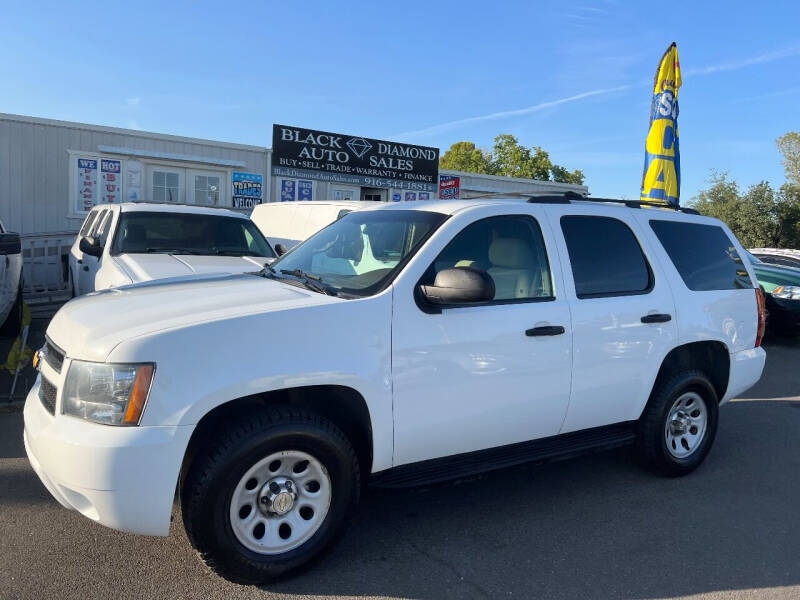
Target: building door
{"points": [[373, 194], [167, 184]]}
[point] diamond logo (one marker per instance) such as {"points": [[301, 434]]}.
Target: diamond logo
{"points": [[359, 146]]}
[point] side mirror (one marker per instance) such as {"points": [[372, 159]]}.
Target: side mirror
{"points": [[280, 249], [461, 285], [90, 246], [10, 244]]}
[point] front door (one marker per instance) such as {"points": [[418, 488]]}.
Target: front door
{"points": [[476, 377]]}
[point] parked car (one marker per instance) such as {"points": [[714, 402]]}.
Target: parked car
{"points": [[10, 282], [778, 256], [285, 224], [782, 287], [121, 244], [416, 343]]}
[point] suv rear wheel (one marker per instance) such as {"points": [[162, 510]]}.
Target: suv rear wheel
{"points": [[270, 494], [678, 426]]}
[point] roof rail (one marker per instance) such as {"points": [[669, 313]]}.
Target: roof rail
{"points": [[568, 197]]}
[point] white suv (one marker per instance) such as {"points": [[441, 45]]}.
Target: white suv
{"points": [[132, 242], [401, 345]]}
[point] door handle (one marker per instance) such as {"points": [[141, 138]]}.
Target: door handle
{"points": [[545, 330], [656, 318]]}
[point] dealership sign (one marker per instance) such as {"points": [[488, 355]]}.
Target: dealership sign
{"points": [[449, 187], [247, 189], [324, 156]]}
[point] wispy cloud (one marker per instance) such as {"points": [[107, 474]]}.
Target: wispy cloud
{"points": [[512, 113], [134, 101], [133, 124], [747, 62], [504, 114]]}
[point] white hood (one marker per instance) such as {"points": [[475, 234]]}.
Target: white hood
{"points": [[90, 326], [146, 267]]}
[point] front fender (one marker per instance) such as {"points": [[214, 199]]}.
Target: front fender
{"points": [[202, 366]]}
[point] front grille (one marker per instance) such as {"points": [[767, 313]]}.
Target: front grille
{"points": [[47, 394], [53, 355]]}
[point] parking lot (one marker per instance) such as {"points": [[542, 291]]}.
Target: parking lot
{"points": [[593, 527]]}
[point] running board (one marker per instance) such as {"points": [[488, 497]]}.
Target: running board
{"points": [[557, 447]]}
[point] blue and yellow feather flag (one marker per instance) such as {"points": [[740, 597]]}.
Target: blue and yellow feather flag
{"points": [[661, 179]]}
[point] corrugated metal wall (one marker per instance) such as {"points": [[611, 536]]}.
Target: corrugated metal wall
{"points": [[34, 165]]}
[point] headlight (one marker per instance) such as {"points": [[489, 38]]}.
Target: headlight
{"points": [[787, 292], [106, 393]]}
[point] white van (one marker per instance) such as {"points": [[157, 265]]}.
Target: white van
{"points": [[289, 223]]}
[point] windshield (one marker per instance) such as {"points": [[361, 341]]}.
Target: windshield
{"points": [[188, 233], [361, 252]]}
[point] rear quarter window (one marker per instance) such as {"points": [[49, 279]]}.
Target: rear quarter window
{"points": [[704, 255]]}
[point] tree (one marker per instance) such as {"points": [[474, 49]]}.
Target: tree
{"points": [[464, 156], [789, 145], [761, 217], [510, 158]]}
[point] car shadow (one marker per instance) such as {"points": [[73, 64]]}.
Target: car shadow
{"points": [[594, 527]]}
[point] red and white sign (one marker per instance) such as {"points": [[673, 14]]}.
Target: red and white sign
{"points": [[112, 181], [449, 187]]}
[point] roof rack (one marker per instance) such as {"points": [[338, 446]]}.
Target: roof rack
{"points": [[568, 197]]}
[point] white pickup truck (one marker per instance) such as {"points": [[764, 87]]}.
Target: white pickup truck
{"points": [[416, 343], [10, 282], [120, 244]]}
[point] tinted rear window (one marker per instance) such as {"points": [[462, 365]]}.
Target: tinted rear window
{"points": [[605, 256], [704, 255]]}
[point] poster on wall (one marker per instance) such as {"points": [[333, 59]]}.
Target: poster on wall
{"points": [[411, 196], [87, 183], [111, 175], [396, 197], [449, 187], [424, 196], [287, 190], [133, 180], [248, 189], [304, 190]]}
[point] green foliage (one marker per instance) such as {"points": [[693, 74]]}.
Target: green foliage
{"points": [[510, 158], [760, 217], [464, 156], [789, 145]]}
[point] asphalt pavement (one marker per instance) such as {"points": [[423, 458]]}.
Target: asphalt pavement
{"points": [[592, 527]]}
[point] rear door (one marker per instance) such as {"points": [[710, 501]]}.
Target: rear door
{"points": [[623, 313]]}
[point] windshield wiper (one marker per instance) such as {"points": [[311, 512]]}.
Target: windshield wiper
{"points": [[171, 251], [311, 281]]}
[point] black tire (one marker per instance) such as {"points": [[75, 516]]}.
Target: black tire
{"points": [[13, 323], [217, 468], [651, 442]]}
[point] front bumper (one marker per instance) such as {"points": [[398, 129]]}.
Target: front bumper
{"points": [[121, 477]]}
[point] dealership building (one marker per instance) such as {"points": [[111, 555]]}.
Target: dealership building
{"points": [[53, 172]]}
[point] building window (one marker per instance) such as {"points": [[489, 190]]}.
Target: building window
{"points": [[206, 189], [166, 186]]}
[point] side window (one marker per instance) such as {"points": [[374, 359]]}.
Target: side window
{"points": [[605, 256], [704, 255], [509, 248], [87, 224], [104, 224]]}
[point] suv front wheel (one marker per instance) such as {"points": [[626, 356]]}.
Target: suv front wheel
{"points": [[679, 423], [270, 494]]}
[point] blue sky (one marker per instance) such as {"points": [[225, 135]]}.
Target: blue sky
{"points": [[572, 77]]}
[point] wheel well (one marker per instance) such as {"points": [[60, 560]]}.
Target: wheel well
{"points": [[343, 406], [710, 357]]}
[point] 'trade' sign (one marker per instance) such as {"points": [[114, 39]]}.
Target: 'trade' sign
{"points": [[325, 156]]}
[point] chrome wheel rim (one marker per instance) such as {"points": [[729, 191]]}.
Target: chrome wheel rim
{"points": [[280, 502], [686, 425]]}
